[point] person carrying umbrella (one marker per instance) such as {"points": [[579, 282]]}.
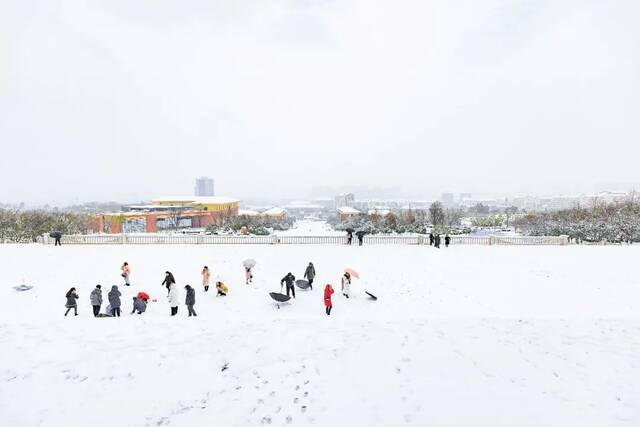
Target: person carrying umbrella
{"points": [[360, 235], [346, 284], [248, 265], [289, 280], [310, 274], [328, 305]]}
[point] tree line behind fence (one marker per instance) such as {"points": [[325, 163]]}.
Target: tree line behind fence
{"points": [[613, 222], [22, 226]]}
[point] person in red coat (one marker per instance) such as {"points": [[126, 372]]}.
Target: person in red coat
{"points": [[328, 291]]}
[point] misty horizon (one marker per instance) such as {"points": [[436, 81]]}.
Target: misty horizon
{"points": [[283, 100]]}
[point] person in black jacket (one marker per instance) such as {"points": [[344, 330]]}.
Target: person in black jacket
{"points": [[289, 280], [431, 239], [437, 241], [190, 300], [447, 240], [349, 236], [168, 280], [71, 296]]}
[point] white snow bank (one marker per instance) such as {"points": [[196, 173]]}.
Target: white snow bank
{"points": [[483, 336]]}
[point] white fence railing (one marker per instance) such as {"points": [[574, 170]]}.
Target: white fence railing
{"points": [[180, 239]]}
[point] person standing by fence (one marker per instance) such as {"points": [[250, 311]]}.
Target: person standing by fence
{"points": [[447, 240], [125, 271]]}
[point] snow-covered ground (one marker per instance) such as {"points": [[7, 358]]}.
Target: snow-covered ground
{"points": [[463, 336], [310, 228]]}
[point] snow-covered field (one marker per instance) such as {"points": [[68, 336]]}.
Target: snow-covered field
{"points": [[464, 336]]}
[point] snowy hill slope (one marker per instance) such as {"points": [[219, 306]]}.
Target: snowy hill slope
{"points": [[484, 336]]}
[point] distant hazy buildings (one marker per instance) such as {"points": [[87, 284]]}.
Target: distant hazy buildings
{"points": [[204, 187], [448, 199], [347, 199]]}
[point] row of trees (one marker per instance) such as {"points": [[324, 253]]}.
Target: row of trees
{"points": [[614, 222], [437, 218], [21, 226], [258, 225]]}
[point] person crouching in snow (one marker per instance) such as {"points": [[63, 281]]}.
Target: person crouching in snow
{"points": [[346, 284], [114, 301], [222, 289], [190, 300], [139, 305], [71, 296], [173, 299], [96, 300], [328, 305]]}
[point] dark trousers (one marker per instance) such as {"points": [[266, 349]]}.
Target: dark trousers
{"points": [[220, 293], [359, 241], [327, 309], [206, 288], [115, 312], [349, 240], [96, 310], [192, 312], [310, 283], [174, 311], [57, 242], [75, 310], [292, 289]]}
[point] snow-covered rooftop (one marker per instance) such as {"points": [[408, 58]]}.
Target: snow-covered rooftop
{"points": [[199, 200], [274, 212], [347, 210]]}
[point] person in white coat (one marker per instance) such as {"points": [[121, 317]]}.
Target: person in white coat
{"points": [[173, 299], [346, 284]]}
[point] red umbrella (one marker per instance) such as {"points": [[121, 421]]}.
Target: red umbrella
{"points": [[143, 296], [352, 272]]}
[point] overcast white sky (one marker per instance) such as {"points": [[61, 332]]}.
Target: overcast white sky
{"points": [[129, 100]]}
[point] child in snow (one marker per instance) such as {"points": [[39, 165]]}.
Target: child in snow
{"points": [[248, 274], [190, 300], [346, 284], [206, 276], [96, 299], [328, 305], [173, 299], [222, 289], [114, 301], [139, 305], [71, 296], [125, 271]]}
